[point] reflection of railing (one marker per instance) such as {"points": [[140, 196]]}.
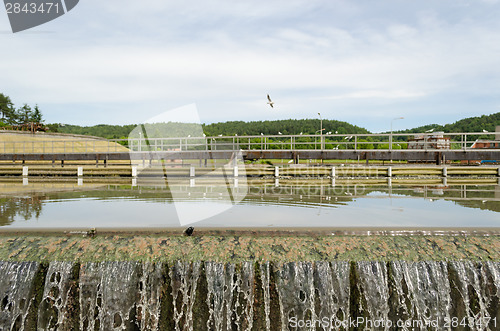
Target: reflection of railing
{"points": [[323, 193], [379, 142]]}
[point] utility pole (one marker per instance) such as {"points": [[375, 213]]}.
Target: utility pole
{"points": [[321, 131]]}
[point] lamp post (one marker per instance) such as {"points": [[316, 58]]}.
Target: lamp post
{"points": [[320, 131], [390, 137]]}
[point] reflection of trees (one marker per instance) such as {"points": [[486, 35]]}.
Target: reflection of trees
{"points": [[26, 207], [484, 205]]}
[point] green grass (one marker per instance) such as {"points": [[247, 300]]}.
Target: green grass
{"points": [[41, 143]]}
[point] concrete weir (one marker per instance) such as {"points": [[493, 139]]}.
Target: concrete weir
{"points": [[318, 295], [274, 281]]}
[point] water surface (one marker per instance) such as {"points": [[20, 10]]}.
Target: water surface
{"points": [[263, 206]]}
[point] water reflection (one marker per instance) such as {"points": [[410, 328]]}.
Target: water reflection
{"points": [[26, 208], [74, 204]]}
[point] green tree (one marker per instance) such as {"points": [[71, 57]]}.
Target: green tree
{"points": [[24, 114], [37, 115], [6, 109]]}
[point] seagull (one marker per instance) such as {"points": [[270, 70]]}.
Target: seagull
{"points": [[261, 134], [279, 132], [329, 132], [290, 161], [270, 103], [220, 135], [485, 130], [336, 132], [189, 231], [429, 131], [301, 133]]}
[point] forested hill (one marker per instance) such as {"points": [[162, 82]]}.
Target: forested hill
{"points": [[291, 126], [241, 128], [470, 124], [101, 130]]}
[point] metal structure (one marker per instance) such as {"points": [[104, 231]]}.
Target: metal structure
{"points": [[294, 147]]}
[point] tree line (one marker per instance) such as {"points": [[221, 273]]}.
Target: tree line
{"points": [[470, 124], [285, 127], [9, 115], [230, 128]]}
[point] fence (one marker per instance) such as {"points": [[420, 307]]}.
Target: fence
{"points": [[383, 141]]}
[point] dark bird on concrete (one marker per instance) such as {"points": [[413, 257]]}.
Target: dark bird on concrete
{"points": [[270, 103], [189, 231]]}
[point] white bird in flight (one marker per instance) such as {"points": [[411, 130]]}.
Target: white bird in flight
{"points": [[485, 130], [270, 103]]}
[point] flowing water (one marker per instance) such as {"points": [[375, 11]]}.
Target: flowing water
{"points": [[458, 295]]}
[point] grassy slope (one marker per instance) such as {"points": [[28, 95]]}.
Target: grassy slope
{"points": [[11, 142]]}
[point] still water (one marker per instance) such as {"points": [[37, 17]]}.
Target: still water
{"points": [[67, 206]]}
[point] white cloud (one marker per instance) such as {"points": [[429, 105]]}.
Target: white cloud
{"points": [[226, 56]]}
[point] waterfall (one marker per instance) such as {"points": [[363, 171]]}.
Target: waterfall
{"points": [[266, 296], [374, 290], [58, 307], [151, 287], [423, 293], [230, 296], [17, 284], [295, 285], [120, 296], [198, 296], [331, 284], [184, 279]]}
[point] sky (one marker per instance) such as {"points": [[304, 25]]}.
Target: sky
{"points": [[364, 62]]}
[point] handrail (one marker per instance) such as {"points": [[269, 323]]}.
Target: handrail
{"points": [[372, 141]]}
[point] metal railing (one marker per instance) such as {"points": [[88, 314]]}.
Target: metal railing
{"points": [[376, 141]]}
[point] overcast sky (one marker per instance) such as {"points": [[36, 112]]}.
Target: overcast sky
{"points": [[365, 62]]}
